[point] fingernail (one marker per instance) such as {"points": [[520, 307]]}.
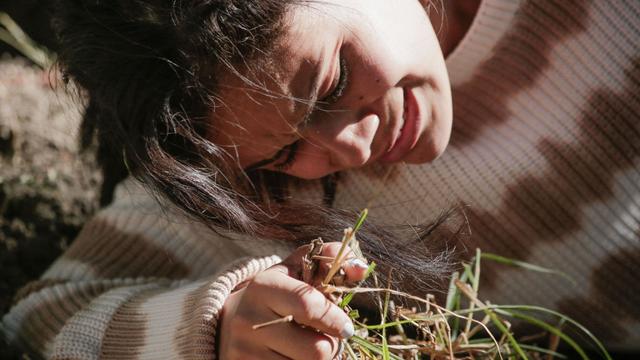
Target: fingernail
{"points": [[347, 330], [358, 264]]}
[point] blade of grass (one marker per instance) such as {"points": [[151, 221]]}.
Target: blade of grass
{"points": [[398, 327], [385, 345], [370, 347], [468, 273], [361, 218], [468, 292], [516, 346], [446, 332], [352, 354], [475, 280], [453, 292], [579, 326], [349, 296], [553, 330], [543, 351], [348, 236], [526, 265], [452, 303], [475, 283]]}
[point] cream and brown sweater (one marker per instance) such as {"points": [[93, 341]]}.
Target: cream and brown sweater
{"points": [[545, 155], [138, 282]]}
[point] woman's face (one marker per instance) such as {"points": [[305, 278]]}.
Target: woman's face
{"points": [[352, 82]]}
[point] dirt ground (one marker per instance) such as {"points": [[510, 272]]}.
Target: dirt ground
{"points": [[47, 188]]}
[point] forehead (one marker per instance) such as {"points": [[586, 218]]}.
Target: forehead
{"points": [[281, 81], [259, 107], [301, 52]]}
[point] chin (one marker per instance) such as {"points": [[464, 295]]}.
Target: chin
{"points": [[433, 143], [425, 154]]}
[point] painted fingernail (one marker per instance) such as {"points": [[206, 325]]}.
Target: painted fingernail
{"points": [[347, 330], [358, 264]]}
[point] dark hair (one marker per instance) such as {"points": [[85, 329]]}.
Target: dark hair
{"points": [[150, 69]]}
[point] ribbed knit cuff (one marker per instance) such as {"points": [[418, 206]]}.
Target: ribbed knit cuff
{"points": [[159, 320], [200, 333]]}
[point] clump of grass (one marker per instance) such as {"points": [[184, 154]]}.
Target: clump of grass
{"points": [[463, 328]]}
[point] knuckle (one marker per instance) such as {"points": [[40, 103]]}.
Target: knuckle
{"points": [[263, 280], [259, 279], [313, 306]]}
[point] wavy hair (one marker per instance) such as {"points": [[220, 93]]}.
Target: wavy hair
{"points": [[149, 71]]}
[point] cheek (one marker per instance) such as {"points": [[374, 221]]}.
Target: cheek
{"points": [[312, 162]]}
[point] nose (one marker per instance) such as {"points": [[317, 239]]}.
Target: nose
{"points": [[348, 141]]}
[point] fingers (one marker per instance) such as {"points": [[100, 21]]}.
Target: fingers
{"points": [[295, 342], [354, 268], [287, 296]]}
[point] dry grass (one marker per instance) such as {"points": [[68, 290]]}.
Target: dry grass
{"points": [[463, 328]]}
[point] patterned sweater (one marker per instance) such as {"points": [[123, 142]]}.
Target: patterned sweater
{"points": [[545, 156]]}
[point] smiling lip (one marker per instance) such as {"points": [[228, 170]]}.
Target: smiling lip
{"points": [[410, 130]]}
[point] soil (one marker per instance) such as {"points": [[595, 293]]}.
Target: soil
{"points": [[48, 188]]}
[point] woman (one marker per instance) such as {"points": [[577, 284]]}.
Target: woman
{"points": [[210, 102]]}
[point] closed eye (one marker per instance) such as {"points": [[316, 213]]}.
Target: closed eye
{"points": [[288, 154], [341, 86]]}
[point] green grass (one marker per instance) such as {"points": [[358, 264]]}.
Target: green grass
{"points": [[464, 327]]}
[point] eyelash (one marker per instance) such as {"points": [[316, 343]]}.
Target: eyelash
{"points": [[291, 151], [343, 81]]}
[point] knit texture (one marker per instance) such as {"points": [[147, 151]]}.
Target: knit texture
{"points": [[545, 155], [138, 282]]}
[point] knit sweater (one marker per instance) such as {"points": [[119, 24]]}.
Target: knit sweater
{"points": [[545, 156], [139, 281]]}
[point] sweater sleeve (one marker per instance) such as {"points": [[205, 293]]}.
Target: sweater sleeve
{"points": [[133, 285]]}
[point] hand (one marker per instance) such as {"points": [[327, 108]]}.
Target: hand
{"points": [[275, 293]]}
